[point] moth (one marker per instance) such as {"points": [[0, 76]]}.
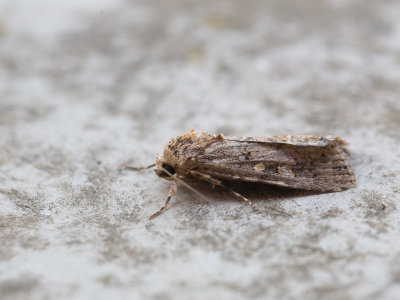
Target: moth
{"points": [[315, 163]]}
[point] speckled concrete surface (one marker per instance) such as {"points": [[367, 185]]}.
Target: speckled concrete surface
{"points": [[88, 88]]}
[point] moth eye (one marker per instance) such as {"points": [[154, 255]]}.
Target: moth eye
{"points": [[168, 168]]}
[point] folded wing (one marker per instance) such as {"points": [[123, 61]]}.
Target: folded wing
{"points": [[303, 162]]}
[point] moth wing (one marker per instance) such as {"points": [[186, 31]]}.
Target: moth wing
{"points": [[295, 140], [303, 162]]}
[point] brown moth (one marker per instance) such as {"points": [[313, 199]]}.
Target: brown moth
{"points": [[316, 163]]}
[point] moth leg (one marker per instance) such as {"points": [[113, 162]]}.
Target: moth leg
{"points": [[172, 190], [215, 182], [138, 168]]}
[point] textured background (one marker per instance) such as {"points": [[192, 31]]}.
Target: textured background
{"points": [[89, 86]]}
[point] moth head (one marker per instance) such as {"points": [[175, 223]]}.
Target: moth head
{"points": [[173, 158], [162, 172], [163, 168]]}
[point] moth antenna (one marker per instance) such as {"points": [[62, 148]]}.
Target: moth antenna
{"points": [[192, 189], [172, 190], [184, 184], [138, 168]]}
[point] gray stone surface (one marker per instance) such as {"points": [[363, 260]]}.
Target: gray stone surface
{"points": [[89, 86]]}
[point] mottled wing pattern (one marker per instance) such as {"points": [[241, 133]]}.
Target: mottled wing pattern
{"points": [[303, 162]]}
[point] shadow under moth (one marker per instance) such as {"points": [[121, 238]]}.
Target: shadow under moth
{"points": [[315, 163]]}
